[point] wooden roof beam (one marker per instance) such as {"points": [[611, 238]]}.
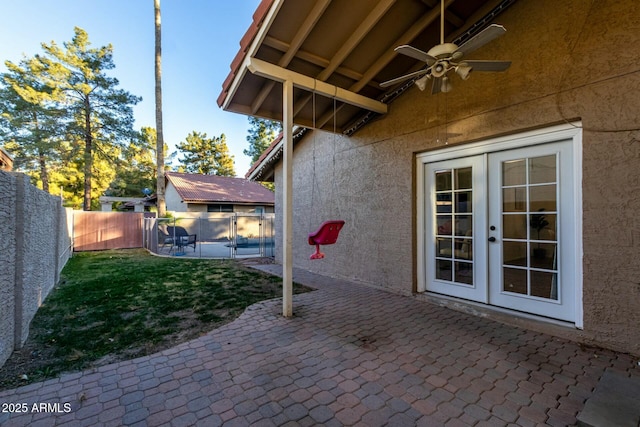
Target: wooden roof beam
{"points": [[406, 38], [311, 58], [356, 37], [303, 32], [280, 74], [349, 45], [448, 15]]}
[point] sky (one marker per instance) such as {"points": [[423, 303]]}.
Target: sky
{"points": [[200, 38]]}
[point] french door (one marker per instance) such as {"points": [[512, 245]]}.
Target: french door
{"points": [[456, 228], [499, 229]]}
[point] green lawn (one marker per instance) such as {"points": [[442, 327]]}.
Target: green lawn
{"points": [[116, 305]]}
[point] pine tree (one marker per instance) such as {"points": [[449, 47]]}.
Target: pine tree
{"points": [[208, 156], [102, 114], [31, 120], [262, 132]]}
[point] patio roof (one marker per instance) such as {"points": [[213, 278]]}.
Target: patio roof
{"points": [[337, 53]]}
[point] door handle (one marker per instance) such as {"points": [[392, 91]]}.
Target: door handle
{"points": [[492, 239]]}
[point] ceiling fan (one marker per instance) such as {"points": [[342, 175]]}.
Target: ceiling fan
{"points": [[445, 57]]}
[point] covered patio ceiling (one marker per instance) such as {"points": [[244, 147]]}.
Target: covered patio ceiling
{"points": [[337, 53]]}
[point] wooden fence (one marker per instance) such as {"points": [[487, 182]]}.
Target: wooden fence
{"points": [[96, 231]]}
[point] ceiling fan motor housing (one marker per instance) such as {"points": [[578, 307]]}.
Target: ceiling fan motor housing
{"points": [[443, 50]]}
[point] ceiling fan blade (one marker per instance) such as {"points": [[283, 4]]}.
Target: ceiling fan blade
{"points": [[437, 85], [415, 53], [488, 65], [403, 78], [490, 33]]}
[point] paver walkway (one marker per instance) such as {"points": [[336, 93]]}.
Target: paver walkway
{"points": [[351, 355]]}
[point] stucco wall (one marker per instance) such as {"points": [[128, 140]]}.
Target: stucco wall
{"points": [[34, 249], [571, 60], [173, 200]]}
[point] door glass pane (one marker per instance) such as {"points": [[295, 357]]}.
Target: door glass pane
{"points": [[542, 198], [514, 226], [443, 180], [514, 253], [544, 284], [445, 225], [463, 225], [464, 249], [514, 199], [543, 255], [443, 203], [514, 172], [463, 179], [542, 169], [464, 273], [443, 270], [514, 280], [463, 202], [543, 226], [443, 247]]}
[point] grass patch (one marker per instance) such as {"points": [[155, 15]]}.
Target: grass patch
{"points": [[116, 305]]}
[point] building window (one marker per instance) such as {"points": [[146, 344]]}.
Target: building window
{"points": [[219, 208]]}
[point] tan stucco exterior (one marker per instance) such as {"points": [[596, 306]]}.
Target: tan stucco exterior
{"points": [[572, 61]]}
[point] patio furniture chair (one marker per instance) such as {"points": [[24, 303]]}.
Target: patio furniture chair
{"points": [[180, 238], [164, 239]]}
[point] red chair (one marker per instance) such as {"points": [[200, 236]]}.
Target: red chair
{"points": [[327, 234]]}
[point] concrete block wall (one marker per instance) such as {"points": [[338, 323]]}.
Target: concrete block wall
{"points": [[36, 245], [7, 264]]}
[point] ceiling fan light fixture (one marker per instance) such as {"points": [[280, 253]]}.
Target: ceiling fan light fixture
{"points": [[439, 69], [422, 82], [446, 85], [464, 71]]}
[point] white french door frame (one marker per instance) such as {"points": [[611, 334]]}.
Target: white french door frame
{"points": [[564, 132]]}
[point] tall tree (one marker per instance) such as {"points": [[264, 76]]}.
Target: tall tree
{"points": [[31, 121], [162, 205], [136, 166], [102, 113], [262, 132], [208, 156]]}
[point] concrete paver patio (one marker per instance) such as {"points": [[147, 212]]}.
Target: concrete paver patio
{"points": [[351, 355]]}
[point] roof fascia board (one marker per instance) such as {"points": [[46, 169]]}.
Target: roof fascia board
{"points": [[274, 72], [251, 51]]}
